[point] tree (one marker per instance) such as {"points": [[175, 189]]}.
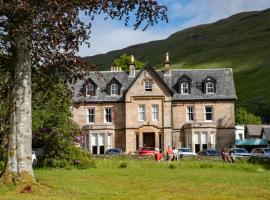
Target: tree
{"points": [[124, 60], [242, 116], [47, 33]]}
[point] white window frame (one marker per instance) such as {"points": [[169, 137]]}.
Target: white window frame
{"points": [[148, 85], [155, 112], [189, 113], [205, 118], [105, 114], [141, 110], [88, 115], [90, 90], [184, 88], [114, 89], [210, 88]]}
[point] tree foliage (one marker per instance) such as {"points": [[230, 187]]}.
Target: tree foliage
{"points": [[242, 116], [124, 60], [47, 34]]}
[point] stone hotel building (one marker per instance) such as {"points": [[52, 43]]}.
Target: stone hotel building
{"points": [[177, 107]]}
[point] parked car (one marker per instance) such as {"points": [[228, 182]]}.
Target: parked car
{"points": [[240, 152], [185, 152], [113, 151], [34, 158], [261, 152], [209, 152], [147, 151]]}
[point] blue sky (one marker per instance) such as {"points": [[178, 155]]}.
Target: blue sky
{"points": [[111, 35]]}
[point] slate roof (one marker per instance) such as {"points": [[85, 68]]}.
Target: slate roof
{"points": [[225, 89], [254, 130], [266, 131]]}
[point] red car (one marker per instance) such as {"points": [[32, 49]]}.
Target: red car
{"points": [[147, 151]]}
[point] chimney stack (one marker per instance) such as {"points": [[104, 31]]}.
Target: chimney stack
{"points": [[132, 67], [167, 65]]}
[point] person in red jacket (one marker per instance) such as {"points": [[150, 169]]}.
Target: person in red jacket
{"points": [[158, 155], [169, 152]]}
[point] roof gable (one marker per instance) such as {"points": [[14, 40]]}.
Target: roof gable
{"points": [[154, 75]]}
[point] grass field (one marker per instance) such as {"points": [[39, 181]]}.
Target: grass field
{"points": [[150, 180]]}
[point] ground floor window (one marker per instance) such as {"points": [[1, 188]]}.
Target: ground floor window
{"points": [[100, 142], [97, 143], [199, 140]]}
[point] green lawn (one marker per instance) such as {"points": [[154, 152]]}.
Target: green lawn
{"points": [[150, 180]]}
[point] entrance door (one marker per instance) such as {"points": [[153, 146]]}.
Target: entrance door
{"points": [[149, 139]]}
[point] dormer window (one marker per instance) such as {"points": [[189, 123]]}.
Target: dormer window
{"points": [[90, 90], [184, 88], [210, 86], [184, 85], [148, 85], [114, 89]]}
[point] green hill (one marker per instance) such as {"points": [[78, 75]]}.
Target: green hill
{"points": [[241, 42]]}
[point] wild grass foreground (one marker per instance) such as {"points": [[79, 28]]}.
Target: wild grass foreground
{"points": [[146, 179]]}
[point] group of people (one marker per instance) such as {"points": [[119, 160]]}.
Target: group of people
{"points": [[171, 154], [228, 155]]}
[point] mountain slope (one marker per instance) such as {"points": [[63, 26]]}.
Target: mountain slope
{"points": [[241, 42]]}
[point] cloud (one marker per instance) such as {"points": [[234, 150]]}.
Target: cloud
{"points": [[111, 35]]}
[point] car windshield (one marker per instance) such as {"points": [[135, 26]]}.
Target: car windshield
{"points": [[212, 152], [267, 151], [148, 149], [116, 151], [240, 151], [184, 150]]}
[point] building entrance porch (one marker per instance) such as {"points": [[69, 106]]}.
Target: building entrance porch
{"points": [[149, 140]]}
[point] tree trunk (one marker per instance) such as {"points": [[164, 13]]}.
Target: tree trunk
{"points": [[19, 164]]}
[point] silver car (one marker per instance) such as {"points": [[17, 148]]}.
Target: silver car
{"points": [[261, 152], [240, 152], [185, 152]]}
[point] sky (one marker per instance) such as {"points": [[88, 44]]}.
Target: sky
{"points": [[112, 35]]}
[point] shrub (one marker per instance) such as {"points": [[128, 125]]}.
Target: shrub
{"points": [[123, 165], [206, 165], [71, 157], [171, 166]]}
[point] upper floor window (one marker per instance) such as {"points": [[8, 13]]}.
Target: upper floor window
{"points": [[141, 113], [155, 112], [108, 115], [190, 113], [148, 85], [210, 88], [91, 115], [208, 113], [184, 88], [114, 89], [90, 90], [184, 85], [210, 85]]}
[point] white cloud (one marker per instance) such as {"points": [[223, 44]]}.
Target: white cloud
{"points": [[111, 35]]}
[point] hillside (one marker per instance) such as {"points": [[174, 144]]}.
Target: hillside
{"points": [[241, 42]]}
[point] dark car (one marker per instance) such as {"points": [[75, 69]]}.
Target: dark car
{"points": [[209, 152], [147, 151], [113, 151]]}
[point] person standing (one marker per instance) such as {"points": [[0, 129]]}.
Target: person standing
{"points": [[169, 153], [175, 153]]}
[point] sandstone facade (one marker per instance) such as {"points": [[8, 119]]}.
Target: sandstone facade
{"points": [[154, 108]]}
